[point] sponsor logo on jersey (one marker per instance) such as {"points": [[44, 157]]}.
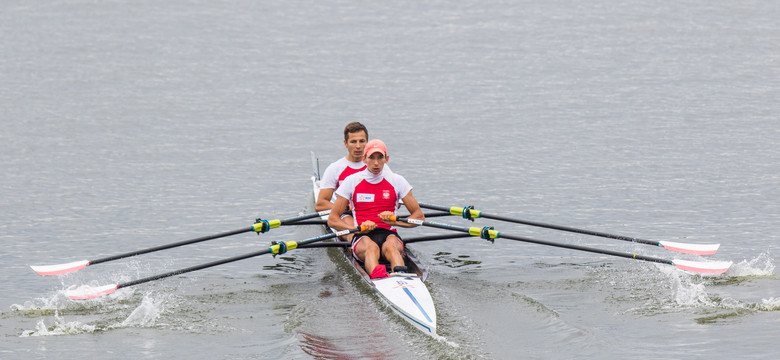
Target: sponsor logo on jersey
{"points": [[361, 197]]}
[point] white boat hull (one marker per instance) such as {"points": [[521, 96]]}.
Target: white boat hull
{"points": [[408, 296]]}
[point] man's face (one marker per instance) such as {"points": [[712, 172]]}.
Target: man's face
{"points": [[375, 162], [355, 144]]}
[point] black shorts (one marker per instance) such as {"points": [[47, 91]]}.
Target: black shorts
{"points": [[378, 236]]}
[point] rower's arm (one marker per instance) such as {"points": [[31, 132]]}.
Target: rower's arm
{"points": [[323, 200], [334, 219], [415, 212]]}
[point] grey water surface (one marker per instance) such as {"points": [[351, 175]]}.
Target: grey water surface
{"points": [[131, 124]]}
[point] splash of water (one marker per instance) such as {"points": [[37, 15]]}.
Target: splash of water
{"points": [[771, 304], [688, 292], [691, 290], [445, 341], [60, 327], [762, 265], [145, 314]]}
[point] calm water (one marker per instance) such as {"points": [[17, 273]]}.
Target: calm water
{"points": [[127, 125]]}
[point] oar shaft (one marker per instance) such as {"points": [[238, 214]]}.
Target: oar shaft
{"points": [[438, 225], [435, 237], [171, 245], [571, 229], [476, 213], [326, 245], [304, 217], [586, 248], [438, 214], [232, 259], [296, 220], [495, 234], [262, 225], [193, 268], [308, 222]]}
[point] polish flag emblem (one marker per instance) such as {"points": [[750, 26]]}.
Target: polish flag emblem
{"points": [[385, 194]]}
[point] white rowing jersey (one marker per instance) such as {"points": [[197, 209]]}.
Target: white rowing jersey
{"points": [[371, 194], [336, 172]]}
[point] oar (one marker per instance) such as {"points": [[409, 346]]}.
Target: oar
{"points": [[309, 222], [260, 226], [434, 237], [469, 213], [278, 248], [716, 267]]}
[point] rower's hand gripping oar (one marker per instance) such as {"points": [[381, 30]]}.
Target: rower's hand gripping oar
{"points": [[488, 233], [260, 226], [470, 213], [84, 293]]}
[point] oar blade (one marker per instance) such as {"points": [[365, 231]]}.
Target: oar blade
{"points": [[695, 249], [48, 270], [710, 267], [88, 292]]}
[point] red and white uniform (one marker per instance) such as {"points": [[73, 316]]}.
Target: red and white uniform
{"points": [[336, 172], [371, 194]]}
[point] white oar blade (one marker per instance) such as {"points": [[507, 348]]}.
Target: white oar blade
{"points": [[695, 249], [88, 292], [711, 267], [47, 270]]}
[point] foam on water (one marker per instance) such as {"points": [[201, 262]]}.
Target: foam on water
{"points": [[60, 327], [771, 304], [762, 265], [146, 314], [691, 290], [444, 340]]}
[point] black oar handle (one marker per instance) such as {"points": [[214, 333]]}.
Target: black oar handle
{"points": [[171, 245]]}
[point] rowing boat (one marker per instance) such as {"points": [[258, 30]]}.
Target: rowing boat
{"points": [[405, 292]]}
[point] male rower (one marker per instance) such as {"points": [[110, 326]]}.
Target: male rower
{"points": [[355, 139], [373, 195]]}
